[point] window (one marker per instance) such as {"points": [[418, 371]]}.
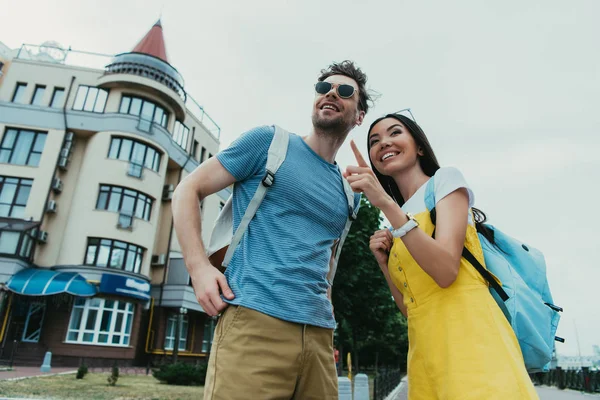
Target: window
{"points": [[114, 254], [125, 201], [180, 134], [33, 324], [57, 98], [19, 95], [202, 154], [170, 334], [22, 147], [14, 193], [38, 95], [209, 155], [17, 238], [90, 99], [221, 205], [100, 321], [137, 153], [146, 110], [195, 149], [209, 331]]}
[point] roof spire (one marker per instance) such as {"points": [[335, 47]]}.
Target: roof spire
{"points": [[153, 43]]}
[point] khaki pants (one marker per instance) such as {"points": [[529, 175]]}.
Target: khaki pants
{"points": [[255, 356]]}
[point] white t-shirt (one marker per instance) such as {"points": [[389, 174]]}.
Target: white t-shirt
{"points": [[447, 180]]}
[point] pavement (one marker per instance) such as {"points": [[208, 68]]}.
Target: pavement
{"points": [[29, 372], [545, 393]]}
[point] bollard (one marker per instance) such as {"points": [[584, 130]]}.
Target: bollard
{"points": [[344, 388], [361, 387], [46, 365]]}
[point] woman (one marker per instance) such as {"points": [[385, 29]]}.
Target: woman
{"points": [[460, 344]]}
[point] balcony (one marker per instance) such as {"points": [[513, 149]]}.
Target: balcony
{"points": [[150, 72], [149, 67]]}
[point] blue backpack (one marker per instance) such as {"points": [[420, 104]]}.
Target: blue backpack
{"points": [[524, 296]]}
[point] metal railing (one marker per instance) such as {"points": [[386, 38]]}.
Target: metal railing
{"points": [[148, 67], [583, 379], [53, 53], [198, 111], [385, 381]]}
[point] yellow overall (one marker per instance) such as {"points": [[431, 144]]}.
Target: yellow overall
{"points": [[460, 344]]}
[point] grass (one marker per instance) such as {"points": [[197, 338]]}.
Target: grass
{"points": [[94, 387]]}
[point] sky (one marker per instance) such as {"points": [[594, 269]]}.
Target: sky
{"points": [[506, 91]]}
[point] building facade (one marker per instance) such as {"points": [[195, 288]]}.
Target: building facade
{"points": [[91, 149]]}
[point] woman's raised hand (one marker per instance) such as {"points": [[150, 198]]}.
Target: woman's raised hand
{"points": [[362, 179]]}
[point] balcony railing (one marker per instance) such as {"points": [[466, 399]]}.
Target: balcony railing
{"points": [[135, 170], [154, 68], [148, 67]]}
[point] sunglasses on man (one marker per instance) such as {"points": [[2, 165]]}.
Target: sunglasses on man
{"points": [[344, 91]]}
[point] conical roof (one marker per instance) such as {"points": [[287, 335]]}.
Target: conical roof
{"points": [[153, 43]]}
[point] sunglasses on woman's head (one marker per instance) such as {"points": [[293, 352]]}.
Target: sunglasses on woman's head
{"points": [[407, 113], [343, 90]]}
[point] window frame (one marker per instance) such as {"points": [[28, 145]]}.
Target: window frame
{"points": [[157, 158], [181, 134], [115, 190], [209, 327], [84, 103], [97, 307], [30, 151], [16, 92], [164, 119], [112, 244], [170, 332], [20, 183], [53, 98], [37, 97]]}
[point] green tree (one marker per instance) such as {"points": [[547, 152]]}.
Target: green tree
{"points": [[369, 321]]}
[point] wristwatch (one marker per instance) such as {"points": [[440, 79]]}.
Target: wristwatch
{"points": [[407, 227]]}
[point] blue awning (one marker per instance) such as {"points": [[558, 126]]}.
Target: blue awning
{"points": [[46, 282]]}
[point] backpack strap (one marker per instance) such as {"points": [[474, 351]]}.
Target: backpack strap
{"points": [[275, 157], [352, 213], [467, 255]]}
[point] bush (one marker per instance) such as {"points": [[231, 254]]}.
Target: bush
{"points": [[181, 374], [82, 371], [112, 379]]}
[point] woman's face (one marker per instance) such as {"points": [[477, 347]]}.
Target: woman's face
{"points": [[392, 147]]}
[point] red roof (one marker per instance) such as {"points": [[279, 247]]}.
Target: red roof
{"points": [[153, 43]]}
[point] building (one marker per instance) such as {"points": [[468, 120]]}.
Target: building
{"points": [[91, 148]]}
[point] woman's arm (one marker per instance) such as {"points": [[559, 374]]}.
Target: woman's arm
{"points": [[439, 257]]}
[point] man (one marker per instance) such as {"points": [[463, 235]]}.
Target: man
{"points": [[275, 337]]}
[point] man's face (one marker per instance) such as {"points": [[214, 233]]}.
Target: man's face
{"points": [[334, 113]]}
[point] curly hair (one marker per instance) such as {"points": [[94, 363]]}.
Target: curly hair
{"points": [[347, 68]]}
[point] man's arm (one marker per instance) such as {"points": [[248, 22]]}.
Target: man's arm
{"points": [[208, 178]]}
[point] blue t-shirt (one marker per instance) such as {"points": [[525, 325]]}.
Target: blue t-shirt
{"points": [[280, 266]]}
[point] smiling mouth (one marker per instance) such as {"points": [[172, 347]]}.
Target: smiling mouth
{"points": [[388, 155], [329, 107]]}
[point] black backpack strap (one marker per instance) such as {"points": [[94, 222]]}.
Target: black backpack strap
{"points": [[475, 263]]}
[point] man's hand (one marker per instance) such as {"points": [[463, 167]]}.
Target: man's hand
{"points": [[208, 283]]}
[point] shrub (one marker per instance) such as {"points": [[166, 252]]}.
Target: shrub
{"points": [[82, 371], [112, 379], [181, 374]]}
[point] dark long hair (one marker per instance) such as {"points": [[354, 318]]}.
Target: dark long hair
{"points": [[429, 165]]}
